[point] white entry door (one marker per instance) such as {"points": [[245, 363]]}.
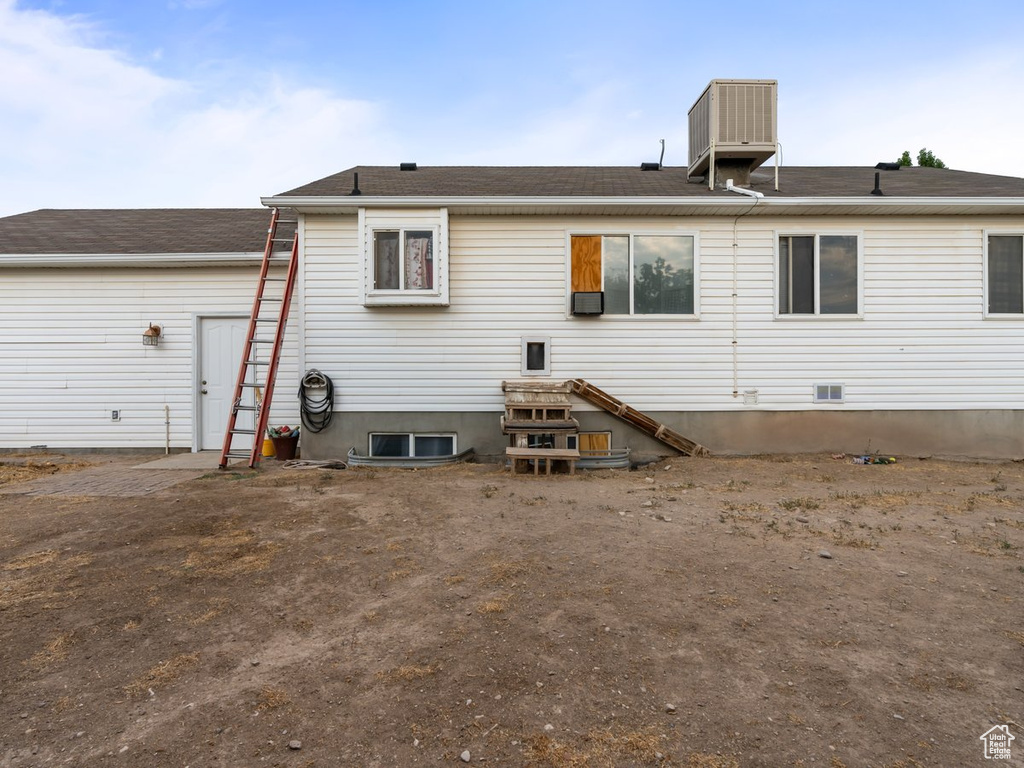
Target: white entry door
{"points": [[221, 340]]}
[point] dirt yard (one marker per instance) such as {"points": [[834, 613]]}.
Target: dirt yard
{"points": [[699, 612]]}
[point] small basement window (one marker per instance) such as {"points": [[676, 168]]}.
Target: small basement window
{"points": [[411, 444], [535, 354], [829, 393]]}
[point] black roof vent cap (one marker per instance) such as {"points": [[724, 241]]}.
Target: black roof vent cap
{"points": [[407, 166], [650, 166], [888, 167]]}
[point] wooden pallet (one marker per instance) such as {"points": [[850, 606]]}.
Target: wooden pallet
{"points": [[546, 455], [635, 418]]}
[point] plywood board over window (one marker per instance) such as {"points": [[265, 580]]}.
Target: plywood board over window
{"points": [[586, 263]]}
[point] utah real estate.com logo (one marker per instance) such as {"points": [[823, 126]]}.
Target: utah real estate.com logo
{"points": [[997, 742]]}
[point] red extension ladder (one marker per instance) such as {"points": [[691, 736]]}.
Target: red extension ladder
{"points": [[258, 368]]}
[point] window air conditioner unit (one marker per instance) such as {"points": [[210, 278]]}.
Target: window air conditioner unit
{"points": [[588, 303]]}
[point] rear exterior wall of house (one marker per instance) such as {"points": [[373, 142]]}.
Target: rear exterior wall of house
{"points": [[918, 369]]}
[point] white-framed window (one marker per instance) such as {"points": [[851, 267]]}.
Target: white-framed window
{"points": [[1004, 275], [829, 393], [403, 260], [412, 444], [405, 257], [535, 355], [640, 274], [818, 274]]}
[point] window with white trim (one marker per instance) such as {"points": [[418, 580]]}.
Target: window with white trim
{"points": [[405, 257], [1004, 275], [403, 260], [818, 275], [535, 356], [411, 444], [639, 274]]}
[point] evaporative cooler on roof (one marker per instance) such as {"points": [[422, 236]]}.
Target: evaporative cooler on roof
{"points": [[733, 120]]}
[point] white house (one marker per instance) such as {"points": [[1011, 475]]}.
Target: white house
{"points": [[795, 309], [816, 317], [78, 289]]}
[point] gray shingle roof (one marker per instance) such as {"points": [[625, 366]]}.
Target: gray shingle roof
{"points": [[555, 181], [137, 231]]}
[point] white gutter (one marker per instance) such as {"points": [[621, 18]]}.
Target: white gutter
{"points": [[730, 187], [353, 203], [153, 260]]}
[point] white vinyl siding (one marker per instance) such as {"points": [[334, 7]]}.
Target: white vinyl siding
{"points": [[71, 352], [919, 342]]}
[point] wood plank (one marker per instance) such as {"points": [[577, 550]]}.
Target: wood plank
{"points": [[586, 263], [631, 416]]}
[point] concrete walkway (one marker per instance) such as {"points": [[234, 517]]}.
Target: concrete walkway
{"points": [[121, 477]]}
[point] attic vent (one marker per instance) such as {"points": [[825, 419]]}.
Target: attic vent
{"points": [[407, 166], [650, 166], [733, 120]]}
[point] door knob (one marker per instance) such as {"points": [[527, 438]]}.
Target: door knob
{"points": [[204, 392]]}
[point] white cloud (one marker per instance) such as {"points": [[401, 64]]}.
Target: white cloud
{"points": [[85, 127]]}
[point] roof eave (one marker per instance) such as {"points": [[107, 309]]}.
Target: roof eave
{"points": [[711, 205], [149, 260]]}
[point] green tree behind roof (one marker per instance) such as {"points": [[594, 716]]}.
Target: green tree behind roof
{"points": [[925, 159]]}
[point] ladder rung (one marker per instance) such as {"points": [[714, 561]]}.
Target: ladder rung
{"points": [[257, 362], [287, 221], [281, 239], [243, 431], [237, 455], [246, 408], [275, 279], [266, 319], [263, 298], [252, 386], [256, 340]]}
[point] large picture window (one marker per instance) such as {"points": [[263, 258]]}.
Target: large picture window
{"points": [[639, 274], [818, 275], [1005, 275]]}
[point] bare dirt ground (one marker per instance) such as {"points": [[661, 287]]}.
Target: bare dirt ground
{"points": [[681, 614]]}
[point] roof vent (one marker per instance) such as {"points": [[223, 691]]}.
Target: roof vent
{"points": [[733, 120], [888, 167], [878, 186], [355, 185], [407, 166], [650, 166]]}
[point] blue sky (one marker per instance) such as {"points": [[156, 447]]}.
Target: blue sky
{"points": [[182, 103]]}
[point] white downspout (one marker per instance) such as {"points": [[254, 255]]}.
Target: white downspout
{"points": [[736, 284]]}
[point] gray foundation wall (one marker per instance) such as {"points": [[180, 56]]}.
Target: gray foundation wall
{"points": [[988, 434]]}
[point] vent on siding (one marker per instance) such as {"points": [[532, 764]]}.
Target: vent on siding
{"points": [[733, 120], [829, 393]]}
